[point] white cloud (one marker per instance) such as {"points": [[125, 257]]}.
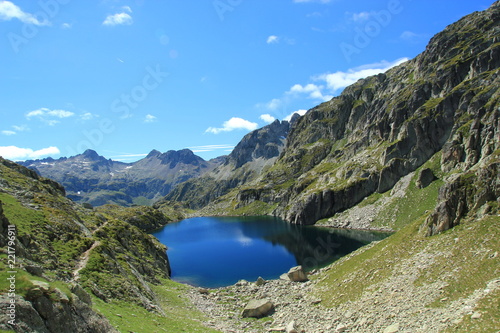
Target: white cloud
{"points": [[312, 90], [272, 39], [232, 124], [207, 148], [267, 118], [274, 104], [21, 128], [9, 11], [361, 17], [118, 19], [300, 112], [149, 118], [66, 25], [8, 133], [47, 115], [16, 153], [327, 85], [87, 116], [339, 80]]}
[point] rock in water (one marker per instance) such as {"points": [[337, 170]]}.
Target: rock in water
{"points": [[258, 308], [297, 274]]}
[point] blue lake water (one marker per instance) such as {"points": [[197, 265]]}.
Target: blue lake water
{"points": [[218, 251]]}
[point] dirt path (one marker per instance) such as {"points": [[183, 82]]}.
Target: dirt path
{"points": [[84, 258]]}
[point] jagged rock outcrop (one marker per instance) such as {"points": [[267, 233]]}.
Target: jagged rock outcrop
{"points": [[43, 314], [476, 191]]}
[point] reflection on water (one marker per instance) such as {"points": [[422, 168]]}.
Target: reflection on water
{"points": [[219, 251]]}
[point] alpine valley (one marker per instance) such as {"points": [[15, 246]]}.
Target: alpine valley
{"points": [[415, 150]]}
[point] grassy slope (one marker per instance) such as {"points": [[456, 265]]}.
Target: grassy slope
{"points": [[180, 315], [464, 258]]}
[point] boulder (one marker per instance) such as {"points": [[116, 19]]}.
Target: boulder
{"points": [[258, 308], [297, 274], [291, 327], [425, 178], [260, 282]]}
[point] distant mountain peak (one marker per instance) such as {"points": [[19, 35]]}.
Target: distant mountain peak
{"points": [[91, 154], [153, 153]]}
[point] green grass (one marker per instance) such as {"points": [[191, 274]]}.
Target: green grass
{"points": [[255, 208], [25, 219], [180, 316], [415, 203], [471, 247]]}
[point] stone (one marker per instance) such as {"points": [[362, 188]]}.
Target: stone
{"points": [[61, 296], [297, 274], [425, 178], [242, 283], [291, 328], [340, 328], [475, 315], [258, 308], [392, 328], [260, 282], [84, 296], [43, 286], [203, 291]]}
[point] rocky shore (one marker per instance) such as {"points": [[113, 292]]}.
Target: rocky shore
{"points": [[394, 305]]}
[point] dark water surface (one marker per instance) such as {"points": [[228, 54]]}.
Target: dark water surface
{"points": [[218, 251]]}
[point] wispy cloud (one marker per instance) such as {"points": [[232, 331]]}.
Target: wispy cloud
{"points": [[17, 153], [339, 80], [9, 133], [9, 11], [122, 18], [208, 148], [361, 16], [272, 39], [232, 124], [150, 118], [324, 87], [49, 116]]}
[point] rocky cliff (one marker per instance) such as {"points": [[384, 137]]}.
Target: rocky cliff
{"points": [[384, 127], [93, 179]]}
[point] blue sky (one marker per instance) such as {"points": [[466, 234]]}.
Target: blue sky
{"points": [[126, 77]]}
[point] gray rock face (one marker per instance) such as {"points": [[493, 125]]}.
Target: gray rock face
{"points": [[462, 194], [258, 308], [43, 315]]}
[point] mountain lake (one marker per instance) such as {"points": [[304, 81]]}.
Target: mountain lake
{"points": [[219, 251]]}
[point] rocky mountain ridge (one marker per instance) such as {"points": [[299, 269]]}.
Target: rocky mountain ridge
{"points": [[257, 151], [384, 127], [93, 179]]}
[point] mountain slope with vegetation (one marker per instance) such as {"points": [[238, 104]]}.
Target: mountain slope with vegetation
{"points": [[79, 269]]}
